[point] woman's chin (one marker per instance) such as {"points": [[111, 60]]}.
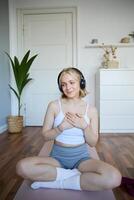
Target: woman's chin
{"points": [[71, 95]]}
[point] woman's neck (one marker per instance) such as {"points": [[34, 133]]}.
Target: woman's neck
{"points": [[75, 100]]}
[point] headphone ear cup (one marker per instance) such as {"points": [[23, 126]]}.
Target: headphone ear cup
{"points": [[82, 79], [82, 83], [60, 88], [58, 81]]}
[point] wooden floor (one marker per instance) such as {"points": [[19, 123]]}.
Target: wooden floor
{"points": [[116, 149]]}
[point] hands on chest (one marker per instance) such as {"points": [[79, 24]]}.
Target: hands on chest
{"points": [[73, 120]]}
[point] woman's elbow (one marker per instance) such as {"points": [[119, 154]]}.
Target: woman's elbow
{"points": [[44, 136], [94, 142]]}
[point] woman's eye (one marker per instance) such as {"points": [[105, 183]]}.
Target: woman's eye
{"points": [[72, 83]]}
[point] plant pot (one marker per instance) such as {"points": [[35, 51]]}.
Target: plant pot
{"points": [[15, 124], [113, 64]]}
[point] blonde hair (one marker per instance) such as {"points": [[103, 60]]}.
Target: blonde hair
{"points": [[70, 71]]}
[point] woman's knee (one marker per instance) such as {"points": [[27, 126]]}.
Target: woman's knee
{"points": [[22, 167], [113, 178], [116, 178]]}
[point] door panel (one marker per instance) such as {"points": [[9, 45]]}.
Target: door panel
{"points": [[51, 37]]}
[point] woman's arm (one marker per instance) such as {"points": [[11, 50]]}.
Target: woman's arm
{"points": [[48, 131], [91, 131]]}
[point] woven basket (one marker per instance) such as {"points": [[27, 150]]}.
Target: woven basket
{"points": [[15, 124]]}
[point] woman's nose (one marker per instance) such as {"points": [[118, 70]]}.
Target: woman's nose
{"points": [[68, 86]]}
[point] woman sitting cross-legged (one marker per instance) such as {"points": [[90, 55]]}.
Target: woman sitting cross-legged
{"points": [[71, 123]]}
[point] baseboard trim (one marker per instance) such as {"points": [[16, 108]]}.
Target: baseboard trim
{"points": [[3, 128], [117, 131]]}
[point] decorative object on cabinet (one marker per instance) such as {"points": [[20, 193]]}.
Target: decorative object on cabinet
{"points": [[109, 57], [115, 100], [106, 57]]}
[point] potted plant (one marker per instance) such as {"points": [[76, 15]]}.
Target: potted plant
{"points": [[21, 76]]}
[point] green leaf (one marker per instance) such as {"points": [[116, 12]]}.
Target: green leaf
{"points": [[18, 97], [24, 84], [12, 64], [29, 63], [21, 72], [25, 58]]}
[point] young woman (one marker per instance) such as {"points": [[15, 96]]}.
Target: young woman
{"points": [[72, 124]]}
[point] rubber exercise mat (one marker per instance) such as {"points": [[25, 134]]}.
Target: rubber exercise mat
{"points": [[26, 193]]}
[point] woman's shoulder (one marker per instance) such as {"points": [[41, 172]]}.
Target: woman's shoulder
{"points": [[53, 105], [92, 110]]}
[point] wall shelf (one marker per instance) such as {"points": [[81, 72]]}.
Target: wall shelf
{"points": [[108, 45]]}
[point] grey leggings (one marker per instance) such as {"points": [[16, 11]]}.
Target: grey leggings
{"points": [[70, 157]]}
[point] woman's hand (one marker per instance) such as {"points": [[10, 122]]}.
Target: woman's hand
{"points": [[65, 125], [76, 120]]}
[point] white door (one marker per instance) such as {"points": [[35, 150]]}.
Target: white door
{"points": [[51, 37]]}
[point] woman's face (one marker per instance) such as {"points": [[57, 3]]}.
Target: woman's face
{"points": [[70, 85]]}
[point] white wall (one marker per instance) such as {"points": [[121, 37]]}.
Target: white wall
{"points": [[5, 106], [107, 20]]}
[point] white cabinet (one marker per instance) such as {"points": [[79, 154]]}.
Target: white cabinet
{"points": [[115, 100]]}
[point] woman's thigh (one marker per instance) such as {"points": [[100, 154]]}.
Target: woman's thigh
{"points": [[94, 165], [37, 168], [37, 160], [97, 175]]}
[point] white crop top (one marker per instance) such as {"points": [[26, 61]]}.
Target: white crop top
{"points": [[72, 135]]}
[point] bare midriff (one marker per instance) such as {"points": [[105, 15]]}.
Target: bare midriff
{"points": [[66, 145]]}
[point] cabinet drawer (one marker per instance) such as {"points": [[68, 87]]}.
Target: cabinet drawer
{"points": [[116, 123], [116, 77], [117, 108], [116, 92]]}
